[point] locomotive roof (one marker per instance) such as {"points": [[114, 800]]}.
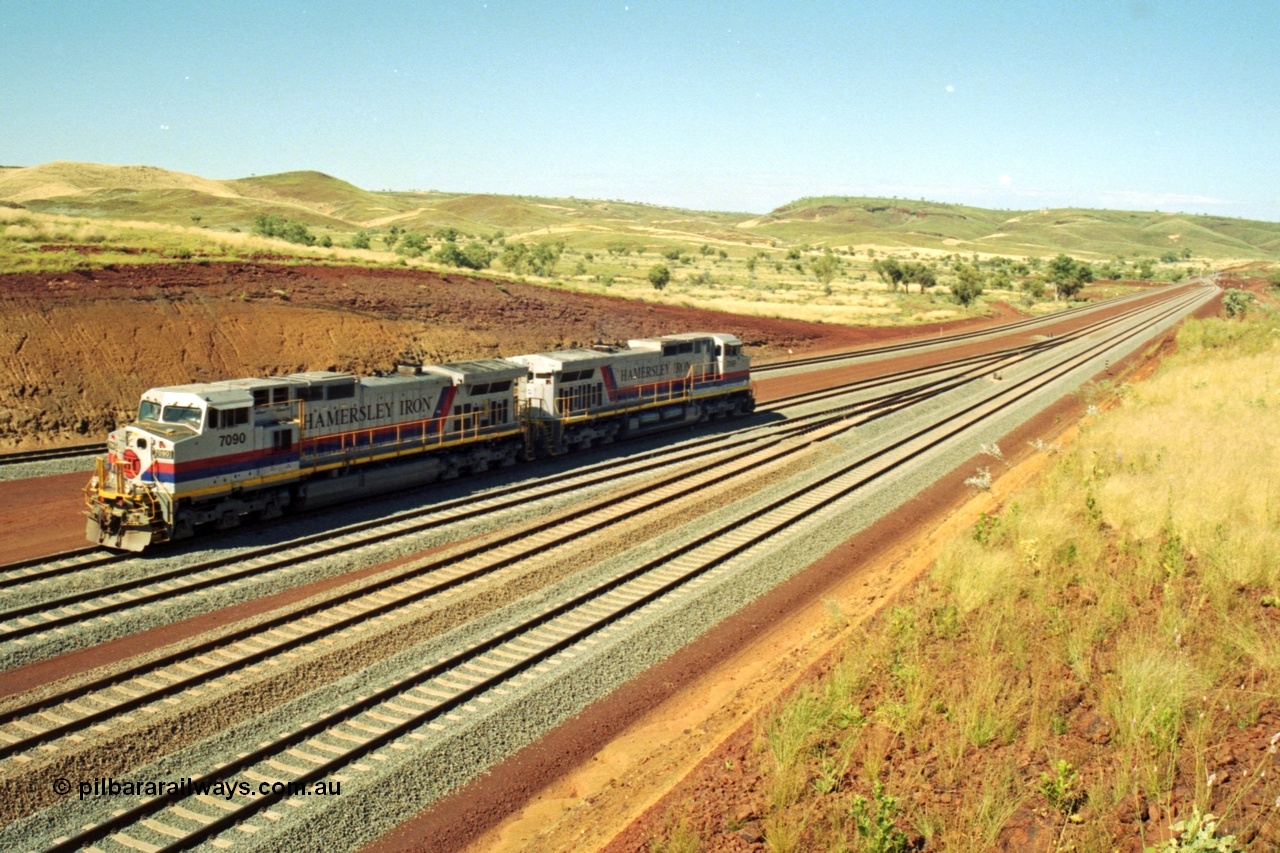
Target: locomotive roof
{"points": [[214, 393], [720, 337], [408, 380], [577, 357], [479, 370], [319, 376]]}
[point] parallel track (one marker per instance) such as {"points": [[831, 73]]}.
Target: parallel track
{"points": [[418, 583], [38, 616], [523, 652], [921, 343], [75, 451]]}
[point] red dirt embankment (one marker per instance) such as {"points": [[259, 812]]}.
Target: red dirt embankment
{"points": [[77, 349]]}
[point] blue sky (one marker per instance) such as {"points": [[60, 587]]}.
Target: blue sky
{"points": [[742, 106]]}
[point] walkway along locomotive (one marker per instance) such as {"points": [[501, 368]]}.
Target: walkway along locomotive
{"points": [[210, 454]]}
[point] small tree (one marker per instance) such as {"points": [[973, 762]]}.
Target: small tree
{"points": [[393, 236], [968, 285], [659, 276], [513, 256], [543, 258], [449, 254], [922, 274], [476, 255], [1068, 275], [413, 242], [890, 271], [824, 268]]}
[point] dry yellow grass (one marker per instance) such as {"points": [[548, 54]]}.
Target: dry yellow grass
{"points": [[1127, 593]]}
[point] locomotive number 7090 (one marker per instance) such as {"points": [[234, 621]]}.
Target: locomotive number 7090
{"points": [[233, 438]]}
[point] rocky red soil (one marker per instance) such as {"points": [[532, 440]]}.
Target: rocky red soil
{"points": [[79, 348]]}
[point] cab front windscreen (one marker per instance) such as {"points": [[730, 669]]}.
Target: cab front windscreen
{"points": [[185, 415]]}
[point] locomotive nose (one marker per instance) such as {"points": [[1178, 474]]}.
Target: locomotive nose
{"points": [[136, 457], [131, 463]]}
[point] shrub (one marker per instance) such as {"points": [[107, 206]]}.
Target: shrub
{"points": [[1236, 302], [476, 255], [659, 275], [273, 225], [449, 254], [877, 827], [1197, 833]]}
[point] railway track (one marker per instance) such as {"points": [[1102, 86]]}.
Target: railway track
{"points": [[943, 340], [524, 654], [42, 616], [39, 615], [530, 540], [40, 569], [100, 700], [77, 451]]}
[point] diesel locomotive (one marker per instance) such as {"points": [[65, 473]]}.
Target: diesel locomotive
{"points": [[208, 455]]}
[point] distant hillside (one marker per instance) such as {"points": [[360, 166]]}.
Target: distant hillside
{"points": [[340, 209], [1103, 233], [61, 179], [319, 192]]}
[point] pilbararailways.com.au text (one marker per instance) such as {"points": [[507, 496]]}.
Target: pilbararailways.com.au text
{"points": [[189, 787]]}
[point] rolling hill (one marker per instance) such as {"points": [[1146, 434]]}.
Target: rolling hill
{"points": [[339, 208]]}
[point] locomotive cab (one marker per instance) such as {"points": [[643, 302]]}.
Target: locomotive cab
{"points": [[131, 492], [732, 365], [167, 471]]}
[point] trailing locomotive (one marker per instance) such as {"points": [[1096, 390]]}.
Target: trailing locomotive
{"points": [[211, 454]]}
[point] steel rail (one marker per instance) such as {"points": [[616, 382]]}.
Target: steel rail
{"points": [[849, 416], [393, 723]]}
